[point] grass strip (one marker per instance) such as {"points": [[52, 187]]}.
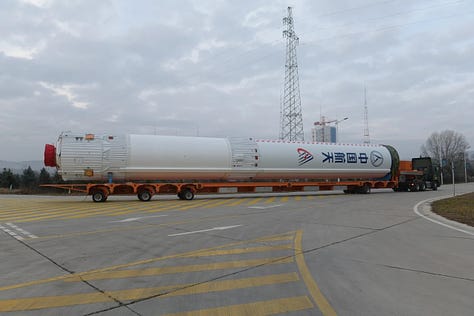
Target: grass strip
{"points": [[459, 208]]}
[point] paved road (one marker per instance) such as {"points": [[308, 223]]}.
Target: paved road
{"points": [[322, 254]]}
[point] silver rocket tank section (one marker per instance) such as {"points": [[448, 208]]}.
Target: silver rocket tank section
{"points": [[90, 157]]}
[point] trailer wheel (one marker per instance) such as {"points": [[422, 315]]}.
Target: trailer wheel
{"points": [[365, 189], [144, 195], [99, 196], [187, 194]]}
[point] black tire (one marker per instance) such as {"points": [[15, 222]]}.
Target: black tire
{"points": [[365, 189], [144, 195], [422, 186], [99, 196], [434, 186], [415, 188], [187, 195]]}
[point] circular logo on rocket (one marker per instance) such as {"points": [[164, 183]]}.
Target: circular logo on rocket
{"points": [[376, 158]]}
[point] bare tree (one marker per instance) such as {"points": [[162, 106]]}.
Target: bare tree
{"points": [[448, 147]]}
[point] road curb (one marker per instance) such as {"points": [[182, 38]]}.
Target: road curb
{"points": [[423, 209]]}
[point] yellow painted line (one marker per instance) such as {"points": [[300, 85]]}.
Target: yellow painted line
{"points": [[272, 307], [284, 199], [236, 251], [255, 201], [298, 198], [140, 262], [194, 204], [217, 203], [41, 302], [310, 197], [311, 285], [270, 200], [237, 202], [179, 269]]}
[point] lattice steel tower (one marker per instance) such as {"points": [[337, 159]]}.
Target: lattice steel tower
{"points": [[291, 117]]}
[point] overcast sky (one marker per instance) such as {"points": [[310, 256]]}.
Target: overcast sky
{"points": [[216, 68]]}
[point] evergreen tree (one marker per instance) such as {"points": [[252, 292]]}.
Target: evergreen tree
{"points": [[28, 179], [44, 177], [8, 179]]}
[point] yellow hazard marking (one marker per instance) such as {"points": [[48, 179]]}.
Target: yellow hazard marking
{"points": [[272, 307], [22, 304], [29, 210], [195, 253], [313, 288], [179, 269], [254, 201], [290, 241]]}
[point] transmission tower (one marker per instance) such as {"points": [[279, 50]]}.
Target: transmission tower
{"points": [[291, 118], [366, 119]]}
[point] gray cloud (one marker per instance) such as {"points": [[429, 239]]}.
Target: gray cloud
{"points": [[215, 68]]}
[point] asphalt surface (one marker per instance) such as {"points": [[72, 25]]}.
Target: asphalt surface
{"points": [[308, 254]]}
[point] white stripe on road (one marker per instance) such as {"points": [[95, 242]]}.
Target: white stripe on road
{"points": [[16, 232], [22, 231], [415, 209], [204, 230], [131, 219], [264, 207]]}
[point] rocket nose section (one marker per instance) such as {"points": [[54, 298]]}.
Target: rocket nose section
{"points": [[50, 156]]}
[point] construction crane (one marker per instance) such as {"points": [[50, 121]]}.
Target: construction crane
{"points": [[324, 123]]}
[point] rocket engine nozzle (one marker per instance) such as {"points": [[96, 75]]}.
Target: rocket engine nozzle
{"points": [[50, 155]]}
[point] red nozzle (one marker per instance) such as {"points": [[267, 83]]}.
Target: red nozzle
{"points": [[49, 155]]}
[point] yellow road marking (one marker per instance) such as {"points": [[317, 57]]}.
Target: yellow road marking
{"points": [[236, 202], [270, 200], [216, 203], [313, 288], [145, 261], [194, 204], [38, 210], [255, 201], [272, 307], [22, 304], [179, 269]]}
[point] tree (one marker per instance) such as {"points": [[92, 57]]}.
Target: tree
{"points": [[28, 179], [44, 177], [446, 147], [8, 179]]}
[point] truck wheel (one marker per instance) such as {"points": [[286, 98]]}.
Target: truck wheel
{"points": [[434, 186], [145, 195], [415, 187], [422, 186], [187, 194], [99, 196]]}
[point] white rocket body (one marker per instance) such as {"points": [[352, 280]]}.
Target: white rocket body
{"points": [[80, 157]]}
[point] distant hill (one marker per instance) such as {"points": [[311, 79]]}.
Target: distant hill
{"points": [[18, 167]]}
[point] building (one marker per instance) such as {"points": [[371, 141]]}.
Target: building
{"points": [[324, 133]]}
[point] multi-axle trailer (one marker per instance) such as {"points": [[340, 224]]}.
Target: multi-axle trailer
{"points": [[145, 165]]}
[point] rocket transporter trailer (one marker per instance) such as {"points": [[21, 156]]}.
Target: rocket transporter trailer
{"points": [[145, 165]]}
